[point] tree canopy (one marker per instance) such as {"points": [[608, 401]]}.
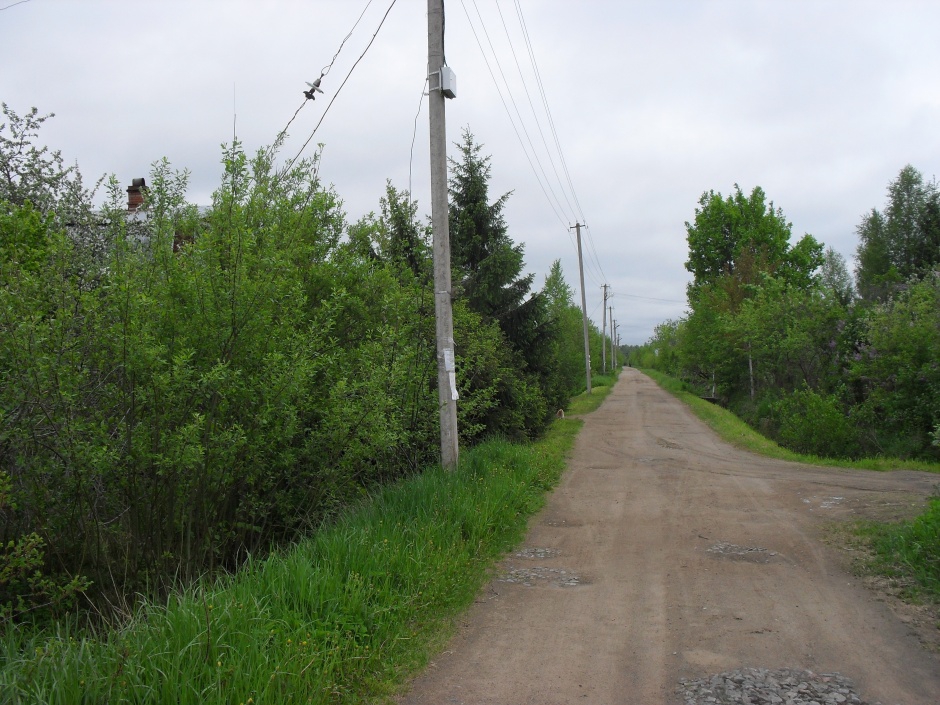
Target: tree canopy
{"points": [[733, 241], [901, 242], [777, 333]]}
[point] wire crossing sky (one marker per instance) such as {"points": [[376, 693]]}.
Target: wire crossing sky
{"points": [[617, 115]]}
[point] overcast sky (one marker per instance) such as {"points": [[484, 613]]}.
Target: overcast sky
{"points": [[819, 102]]}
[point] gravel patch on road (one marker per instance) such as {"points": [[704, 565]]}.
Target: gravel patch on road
{"points": [[540, 575], [753, 554], [760, 686]]}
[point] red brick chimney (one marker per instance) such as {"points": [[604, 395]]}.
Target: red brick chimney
{"points": [[135, 194]]}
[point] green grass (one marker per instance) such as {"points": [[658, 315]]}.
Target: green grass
{"points": [[344, 616], [908, 552], [585, 403], [738, 433]]}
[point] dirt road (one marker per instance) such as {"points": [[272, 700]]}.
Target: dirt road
{"points": [[667, 554]]}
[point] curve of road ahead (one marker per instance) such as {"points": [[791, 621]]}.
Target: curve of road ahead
{"points": [[667, 554]]}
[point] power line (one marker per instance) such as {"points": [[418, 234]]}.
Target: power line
{"points": [[509, 115], [13, 5], [548, 112], [525, 86], [323, 72], [650, 298], [551, 122], [326, 69], [557, 204], [512, 100], [594, 253], [338, 90], [414, 136]]}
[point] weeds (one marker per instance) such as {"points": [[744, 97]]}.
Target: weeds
{"points": [[909, 552]]}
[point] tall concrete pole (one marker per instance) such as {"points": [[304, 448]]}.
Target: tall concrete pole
{"points": [[584, 317], [443, 314], [604, 333]]}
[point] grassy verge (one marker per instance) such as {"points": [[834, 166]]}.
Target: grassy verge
{"points": [[908, 552], [735, 431], [343, 616], [585, 403]]}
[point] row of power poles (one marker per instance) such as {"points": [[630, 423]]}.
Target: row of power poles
{"points": [[441, 86], [614, 338]]}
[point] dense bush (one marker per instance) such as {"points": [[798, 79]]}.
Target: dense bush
{"points": [[815, 424], [182, 387]]}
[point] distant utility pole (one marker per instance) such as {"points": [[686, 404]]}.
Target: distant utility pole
{"points": [[612, 358], [614, 337], [587, 344], [604, 333], [440, 81]]}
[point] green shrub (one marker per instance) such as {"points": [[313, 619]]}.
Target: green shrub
{"points": [[811, 423]]}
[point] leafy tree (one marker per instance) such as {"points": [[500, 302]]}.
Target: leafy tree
{"points": [[567, 347], [29, 173], [835, 279], [736, 244], [735, 240], [37, 176], [897, 371], [901, 242], [665, 347]]}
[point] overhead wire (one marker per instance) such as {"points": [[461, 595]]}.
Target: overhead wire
{"points": [[548, 113], [506, 108], [338, 90], [414, 136], [512, 100], [326, 69], [651, 298], [593, 266], [525, 87], [323, 72], [591, 247]]}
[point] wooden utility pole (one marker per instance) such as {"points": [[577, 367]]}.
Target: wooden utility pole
{"points": [[604, 333], [443, 314], [587, 344]]}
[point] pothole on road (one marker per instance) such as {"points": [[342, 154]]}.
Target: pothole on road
{"points": [[784, 686], [751, 554], [541, 575]]}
